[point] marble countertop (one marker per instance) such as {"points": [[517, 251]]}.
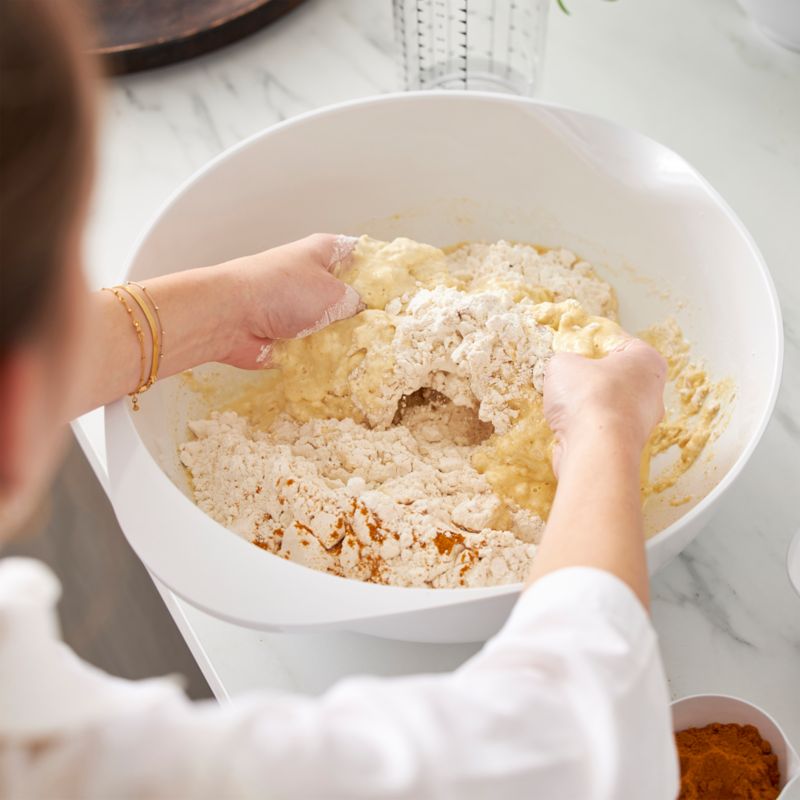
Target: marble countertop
{"points": [[695, 76]]}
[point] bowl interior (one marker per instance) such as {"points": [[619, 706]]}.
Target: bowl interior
{"points": [[453, 167]]}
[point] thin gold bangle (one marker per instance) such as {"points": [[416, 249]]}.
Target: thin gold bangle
{"points": [[158, 319], [153, 333], [134, 395]]}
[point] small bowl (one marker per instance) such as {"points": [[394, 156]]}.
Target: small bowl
{"points": [[699, 710]]}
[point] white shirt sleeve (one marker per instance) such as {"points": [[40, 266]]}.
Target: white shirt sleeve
{"points": [[568, 701]]}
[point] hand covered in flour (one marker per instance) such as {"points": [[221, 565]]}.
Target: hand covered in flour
{"points": [[285, 293], [618, 397]]}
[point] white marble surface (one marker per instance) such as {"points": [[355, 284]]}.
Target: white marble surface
{"points": [[694, 75]]}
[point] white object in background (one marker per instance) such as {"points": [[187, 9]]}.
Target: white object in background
{"points": [[488, 45], [778, 19], [700, 710], [467, 166]]}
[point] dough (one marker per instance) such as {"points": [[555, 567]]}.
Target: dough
{"points": [[408, 445]]}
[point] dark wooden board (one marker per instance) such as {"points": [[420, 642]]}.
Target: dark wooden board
{"points": [[141, 34]]}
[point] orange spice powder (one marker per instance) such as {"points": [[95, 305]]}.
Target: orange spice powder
{"points": [[726, 762]]}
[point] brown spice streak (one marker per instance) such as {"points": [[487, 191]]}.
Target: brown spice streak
{"points": [[445, 541], [375, 531]]}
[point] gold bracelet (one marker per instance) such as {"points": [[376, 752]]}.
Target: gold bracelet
{"points": [[134, 395], [158, 318], [154, 335]]}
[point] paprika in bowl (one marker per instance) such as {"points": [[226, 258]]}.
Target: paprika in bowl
{"points": [[730, 748]]}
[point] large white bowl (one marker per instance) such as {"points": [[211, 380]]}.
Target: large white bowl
{"points": [[443, 168]]}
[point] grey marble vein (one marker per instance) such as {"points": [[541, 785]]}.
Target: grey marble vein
{"points": [[209, 126]]}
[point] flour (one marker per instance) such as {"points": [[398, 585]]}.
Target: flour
{"points": [[558, 272], [411, 449], [479, 349], [381, 505]]}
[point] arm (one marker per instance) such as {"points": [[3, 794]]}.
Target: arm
{"points": [[229, 312], [602, 412], [569, 700]]}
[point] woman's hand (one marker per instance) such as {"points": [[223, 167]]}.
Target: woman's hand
{"points": [[602, 411], [620, 395], [284, 293], [231, 312]]}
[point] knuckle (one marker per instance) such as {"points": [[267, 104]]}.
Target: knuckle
{"points": [[320, 244]]}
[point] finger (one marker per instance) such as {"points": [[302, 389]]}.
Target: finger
{"points": [[349, 305], [346, 306], [626, 342], [264, 357], [645, 351], [341, 250]]}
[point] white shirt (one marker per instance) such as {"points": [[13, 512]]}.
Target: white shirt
{"points": [[568, 701]]}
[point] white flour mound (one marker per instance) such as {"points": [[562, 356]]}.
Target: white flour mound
{"points": [[477, 348], [559, 271], [400, 506], [398, 501]]}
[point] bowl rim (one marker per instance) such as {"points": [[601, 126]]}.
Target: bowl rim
{"points": [[776, 328], [700, 696]]}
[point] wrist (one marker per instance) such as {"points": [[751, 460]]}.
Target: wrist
{"points": [[202, 309], [226, 299], [601, 439]]}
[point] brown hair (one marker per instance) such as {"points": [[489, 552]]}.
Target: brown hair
{"points": [[45, 142]]}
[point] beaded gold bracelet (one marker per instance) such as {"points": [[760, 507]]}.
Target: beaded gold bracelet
{"points": [[158, 316], [154, 333], [134, 395]]}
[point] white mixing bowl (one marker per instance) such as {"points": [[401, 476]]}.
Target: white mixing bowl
{"points": [[443, 168]]}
